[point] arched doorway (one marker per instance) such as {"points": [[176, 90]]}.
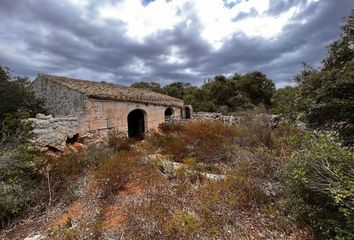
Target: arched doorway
{"points": [[187, 112], [136, 123], [169, 114]]}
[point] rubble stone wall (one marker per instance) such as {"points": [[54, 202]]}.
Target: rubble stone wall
{"points": [[215, 116], [59, 100], [49, 132]]}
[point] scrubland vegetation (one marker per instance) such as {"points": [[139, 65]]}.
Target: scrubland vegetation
{"points": [[286, 182]]}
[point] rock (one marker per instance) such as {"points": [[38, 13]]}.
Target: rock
{"points": [[34, 237], [42, 116], [215, 177], [152, 157], [79, 146], [72, 148], [171, 168], [271, 189]]}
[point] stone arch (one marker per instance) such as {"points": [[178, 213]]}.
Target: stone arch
{"points": [[169, 113], [137, 123]]}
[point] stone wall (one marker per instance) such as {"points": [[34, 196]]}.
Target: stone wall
{"points": [[215, 116], [59, 100], [49, 132], [106, 114]]}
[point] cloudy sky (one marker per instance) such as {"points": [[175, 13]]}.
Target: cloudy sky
{"points": [[124, 41]]}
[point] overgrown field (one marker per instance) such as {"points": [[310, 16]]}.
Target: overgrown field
{"points": [[199, 180]]}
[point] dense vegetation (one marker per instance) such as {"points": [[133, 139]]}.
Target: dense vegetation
{"points": [[223, 94], [16, 103], [19, 175]]}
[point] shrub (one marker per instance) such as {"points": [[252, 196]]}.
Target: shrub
{"points": [[207, 141], [115, 171], [119, 141], [254, 130], [287, 139], [318, 185], [20, 182], [183, 222]]}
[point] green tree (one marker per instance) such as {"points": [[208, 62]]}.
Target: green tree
{"points": [[16, 98], [17, 101], [257, 87], [326, 94], [179, 89], [151, 86], [284, 101]]}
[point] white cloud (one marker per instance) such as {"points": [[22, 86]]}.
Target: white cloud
{"points": [[215, 19], [174, 56], [138, 66]]}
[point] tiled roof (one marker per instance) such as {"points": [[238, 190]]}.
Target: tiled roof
{"points": [[110, 91]]}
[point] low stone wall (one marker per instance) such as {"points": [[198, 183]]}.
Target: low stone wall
{"points": [[49, 132], [272, 119], [215, 116]]}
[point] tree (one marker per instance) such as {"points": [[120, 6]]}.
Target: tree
{"points": [[179, 89], [17, 101], [257, 87], [151, 86], [326, 94], [284, 102]]}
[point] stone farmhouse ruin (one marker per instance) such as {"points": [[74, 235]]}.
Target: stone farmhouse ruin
{"points": [[100, 107]]}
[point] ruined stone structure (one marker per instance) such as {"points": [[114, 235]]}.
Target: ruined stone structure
{"points": [[100, 107]]}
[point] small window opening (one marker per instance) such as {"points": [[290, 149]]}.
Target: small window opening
{"points": [[73, 139]]}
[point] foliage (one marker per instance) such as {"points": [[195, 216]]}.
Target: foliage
{"points": [[207, 141], [119, 141], [17, 102], [326, 94], [20, 182], [318, 184], [254, 130], [179, 89], [223, 94], [284, 102], [237, 92], [178, 210], [25, 175], [151, 86], [16, 98], [114, 171]]}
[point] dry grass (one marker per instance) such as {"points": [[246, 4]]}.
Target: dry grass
{"points": [[119, 141], [140, 201], [206, 141], [114, 171]]}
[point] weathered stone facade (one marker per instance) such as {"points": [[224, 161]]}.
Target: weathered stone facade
{"points": [[102, 107], [60, 100]]}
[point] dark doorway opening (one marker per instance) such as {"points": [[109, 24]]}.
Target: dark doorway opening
{"points": [[136, 124], [168, 114], [187, 112]]}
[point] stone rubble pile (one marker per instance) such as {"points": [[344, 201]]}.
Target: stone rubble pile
{"points": [[49, 132]]}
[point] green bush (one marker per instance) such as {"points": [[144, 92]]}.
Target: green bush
{"points": [[20, 182], [319, 187]]}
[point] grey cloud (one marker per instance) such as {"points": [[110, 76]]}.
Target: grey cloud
{"points": [[56, 38]]}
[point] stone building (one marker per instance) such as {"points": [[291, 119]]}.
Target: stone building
{"points": [[102, 107]]}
